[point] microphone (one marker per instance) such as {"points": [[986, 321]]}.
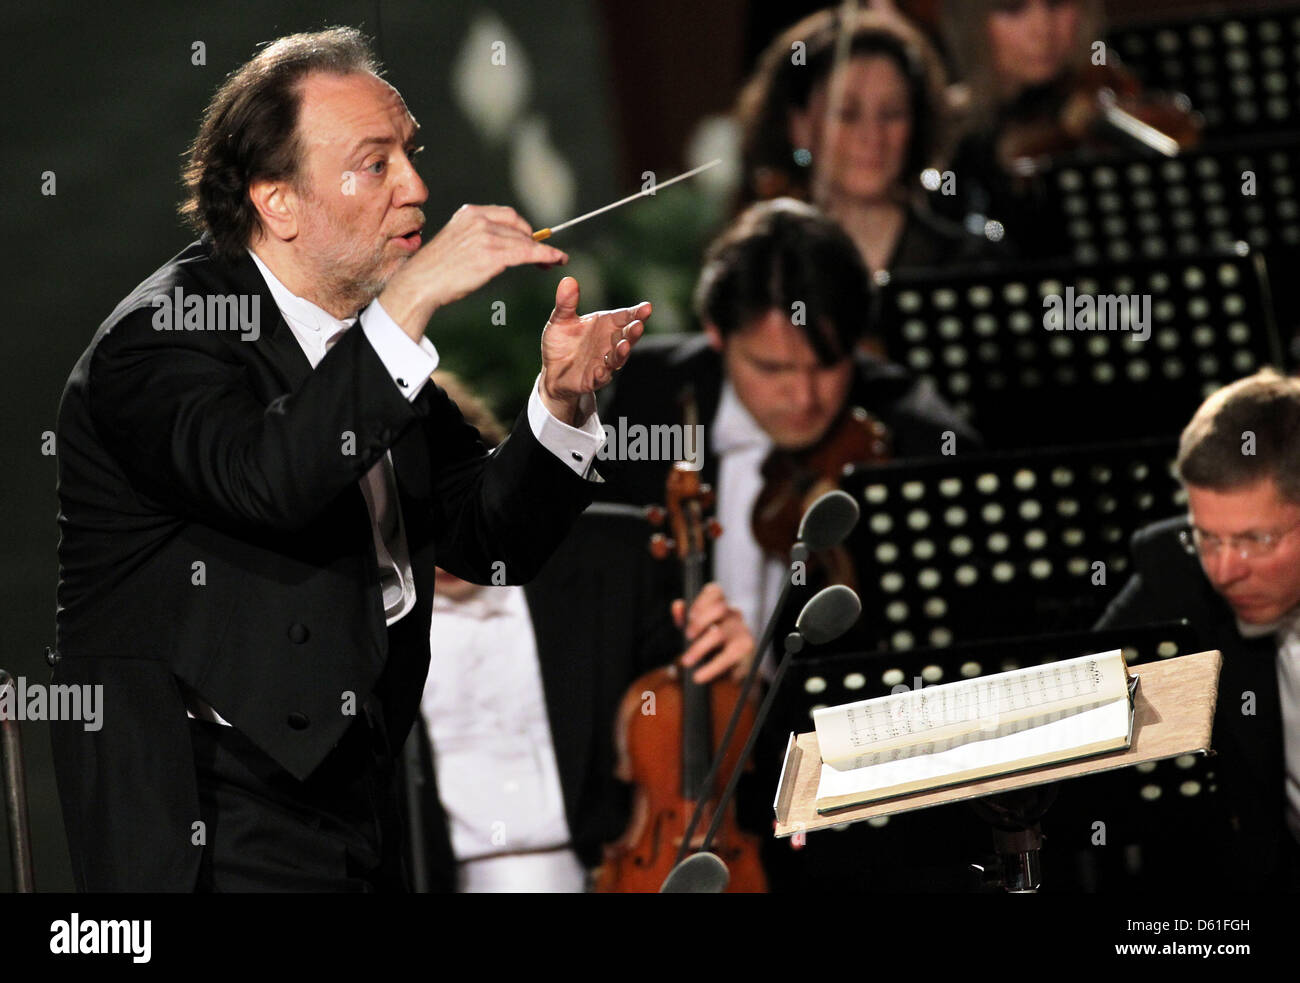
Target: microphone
{"points": [[828, 520], [700, 873], [824, 525], [829, 614]]}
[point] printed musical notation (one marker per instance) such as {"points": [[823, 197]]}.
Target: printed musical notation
{"points": [[1041, 688]]}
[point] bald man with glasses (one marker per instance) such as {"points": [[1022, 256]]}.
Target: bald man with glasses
{"points": [[1231, 567]]}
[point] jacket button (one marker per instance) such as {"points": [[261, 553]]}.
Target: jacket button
{"points": [[299, 721], [298, 634], [52, 657]]}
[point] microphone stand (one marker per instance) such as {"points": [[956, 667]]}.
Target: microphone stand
{"points": [[1014, 818], [826, 616], [793, 643], [825, 523], [798, 554]]}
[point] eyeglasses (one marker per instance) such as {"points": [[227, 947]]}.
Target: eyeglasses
{"points": [[1247, 545]]}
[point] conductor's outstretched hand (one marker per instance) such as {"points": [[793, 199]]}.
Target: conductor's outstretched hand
{"points": [[581, 352]]}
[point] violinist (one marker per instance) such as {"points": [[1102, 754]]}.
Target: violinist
{"points": [[851, 128], [783, 300], [518, 710], [777, 369], [1038, 84]]}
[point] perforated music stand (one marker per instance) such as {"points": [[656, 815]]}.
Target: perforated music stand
{"points": [[988, 341], [982, 545], [1209, 199], [1241, 69]]}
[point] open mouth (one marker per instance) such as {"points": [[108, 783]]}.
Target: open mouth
{"points": [[410, 240]]}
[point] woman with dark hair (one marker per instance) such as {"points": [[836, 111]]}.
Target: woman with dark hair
{"points": [[1008, 51], [1034, 79], [846, 117]]}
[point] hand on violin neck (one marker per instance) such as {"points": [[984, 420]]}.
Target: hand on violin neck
{"points": [[718, 640]]}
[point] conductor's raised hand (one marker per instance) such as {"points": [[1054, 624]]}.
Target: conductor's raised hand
{"points": [[479, 243], [581, 352]]}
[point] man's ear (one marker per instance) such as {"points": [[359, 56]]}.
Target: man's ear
{"points": [[277, 206], [714, 335]]}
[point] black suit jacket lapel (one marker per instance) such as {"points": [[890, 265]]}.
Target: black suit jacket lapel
{"points": [[291, 368], [1250, 673], [286, 356], [276, 342]]}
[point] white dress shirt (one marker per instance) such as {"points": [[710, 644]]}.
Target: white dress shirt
{"points": [[497, 775], [751, 579], [410, 365], [1287, 631]]}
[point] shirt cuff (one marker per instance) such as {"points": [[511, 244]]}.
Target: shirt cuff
{"points": [[575, 446], [407, 362]]}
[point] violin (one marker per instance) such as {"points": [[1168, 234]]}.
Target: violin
{"points": [[1099, 108], [667, 733], [793, 480]]}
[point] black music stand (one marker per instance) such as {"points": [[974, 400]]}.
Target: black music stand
{"points": [[1116, 210], [982, 338], [1241, 69], [1148, 804], [973, 546]]}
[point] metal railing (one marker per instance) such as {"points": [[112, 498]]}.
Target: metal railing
{"points": [[15, 794]]}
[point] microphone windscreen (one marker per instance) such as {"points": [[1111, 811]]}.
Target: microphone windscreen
{"points": [[700, 873], [829, 614], [828, 520]]}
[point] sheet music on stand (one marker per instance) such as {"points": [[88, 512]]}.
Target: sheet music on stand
{"points": [[1174, 715], [886, 726], [1151, 800], [846, 677]]}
